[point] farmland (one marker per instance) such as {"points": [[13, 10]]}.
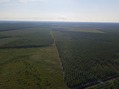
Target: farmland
{"points": [[58, 55]]}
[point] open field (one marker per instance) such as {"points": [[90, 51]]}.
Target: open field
{"points": [[28, 37], [30, 68], [29, 60], [91, 30]]}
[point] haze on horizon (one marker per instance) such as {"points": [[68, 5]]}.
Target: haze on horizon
{"points": [[60, 10]]}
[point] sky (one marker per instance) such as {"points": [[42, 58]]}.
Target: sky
{"points": [[60, 10]]}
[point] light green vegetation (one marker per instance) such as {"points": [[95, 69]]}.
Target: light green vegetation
{"points": [[26, 37], [30, 68], [29, 60], [77, 29], [91, 30]]}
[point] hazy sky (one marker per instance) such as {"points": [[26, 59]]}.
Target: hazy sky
{"points": [[60, 10]]}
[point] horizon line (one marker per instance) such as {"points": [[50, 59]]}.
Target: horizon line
{"points": [[57, 21]]}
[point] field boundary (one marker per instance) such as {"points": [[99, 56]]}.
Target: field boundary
{"points": [[19, 47], [57, 52], [22, 28], [60, 61]]}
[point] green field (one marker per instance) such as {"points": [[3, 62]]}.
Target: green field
{"points": [[29, 60], [30, 68], [34, 37]]}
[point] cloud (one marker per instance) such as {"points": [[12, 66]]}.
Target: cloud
{"points": [[4, 1], [27, 1], [22, 1]]}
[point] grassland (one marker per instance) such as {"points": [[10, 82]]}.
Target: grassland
{"points": [[91, 30], [28, 37], [29, 60], [30, 68]]}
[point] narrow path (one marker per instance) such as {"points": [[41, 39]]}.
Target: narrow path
{"points": [[51, 32], [109, 81], [60, 61], [54, 43]]}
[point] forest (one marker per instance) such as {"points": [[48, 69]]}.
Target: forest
{"points": [[89, 56], [59, 55]]}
